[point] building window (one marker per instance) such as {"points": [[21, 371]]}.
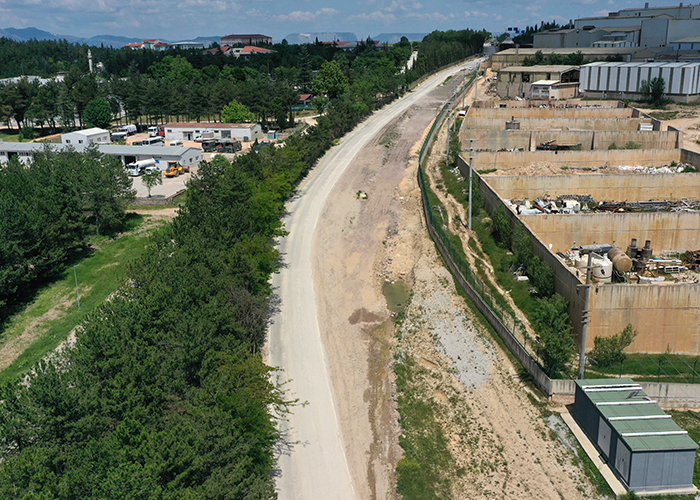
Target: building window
{"points": [[67, 141], [526, 77], [80, 141]]}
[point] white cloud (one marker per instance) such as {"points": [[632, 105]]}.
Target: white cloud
{"points": [[404, 6], [374, 16], [299, 16], [435, 16], [475, 13]]}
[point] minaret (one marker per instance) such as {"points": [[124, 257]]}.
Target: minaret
{"points": [[90, 60]]}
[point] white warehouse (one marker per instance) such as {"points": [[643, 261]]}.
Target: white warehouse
{"points": [[244, 132], [621, 80], [86, 137]]}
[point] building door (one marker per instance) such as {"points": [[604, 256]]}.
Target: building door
{"points": [[604, 437], [622, 461]]}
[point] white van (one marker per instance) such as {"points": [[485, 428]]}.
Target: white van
{"points": [[152, 131], [176, 143]]}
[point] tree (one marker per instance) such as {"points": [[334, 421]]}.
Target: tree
{"points": [[652, 91], [151, 179], [235, 112], [609, 351], [106, 187], [330, 80], [555, 345], [98, 113]]}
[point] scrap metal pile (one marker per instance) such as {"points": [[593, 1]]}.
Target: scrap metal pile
{"points": [[575, 203]]}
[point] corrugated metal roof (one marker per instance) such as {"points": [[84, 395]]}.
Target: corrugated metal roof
{"points": [[637, 418], [110, 149]]}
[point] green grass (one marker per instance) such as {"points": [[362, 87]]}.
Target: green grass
{"points": [[642, 367], [664, 115], [54, 312], [424, 471]]}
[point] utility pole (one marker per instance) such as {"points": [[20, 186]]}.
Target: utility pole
{"points": [[77, 291], [584, 318], [447, 161], [471, 160]]}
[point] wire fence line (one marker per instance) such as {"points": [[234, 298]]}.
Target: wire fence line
{"points": [[499, 315]]}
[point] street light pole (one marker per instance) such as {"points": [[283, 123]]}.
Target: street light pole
{"points": [[585, 320]]}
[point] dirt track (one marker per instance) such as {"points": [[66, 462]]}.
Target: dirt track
{"points": [[503, 443]]}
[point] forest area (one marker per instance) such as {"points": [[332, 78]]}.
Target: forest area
{"points": [[156, 401]]}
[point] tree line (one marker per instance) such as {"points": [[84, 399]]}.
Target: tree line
{"points": [[49, 209], [189, 85], [165, 395]]}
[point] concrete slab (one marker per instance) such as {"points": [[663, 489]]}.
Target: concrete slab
{"points": [[609, 476]]}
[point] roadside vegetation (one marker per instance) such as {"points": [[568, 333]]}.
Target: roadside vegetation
{"points": [[164, 394]]}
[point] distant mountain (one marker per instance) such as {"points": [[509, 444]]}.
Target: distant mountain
{"points": [[328, 36], [116, 42], [396, 37], [26, 34]]}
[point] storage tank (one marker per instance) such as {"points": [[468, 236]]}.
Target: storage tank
{"points": [[620, 260], [602, 269]]}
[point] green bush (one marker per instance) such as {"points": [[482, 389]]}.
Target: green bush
{"points": [[26, 134], [609, 351]]}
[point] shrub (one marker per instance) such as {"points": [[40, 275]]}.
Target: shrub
{"points": [[608, 351]]}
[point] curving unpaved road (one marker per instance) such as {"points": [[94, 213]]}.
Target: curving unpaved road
{"points": [[315, 464]]}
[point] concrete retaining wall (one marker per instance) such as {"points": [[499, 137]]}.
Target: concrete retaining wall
{"points": [[493, 140], [667, 316], [577, 159], [603, 187], [666, 231], [673, 395], [557, 123], [549, 113], [529, 103]]}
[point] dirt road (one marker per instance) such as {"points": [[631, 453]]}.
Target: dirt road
{"points": [[326, 459]]}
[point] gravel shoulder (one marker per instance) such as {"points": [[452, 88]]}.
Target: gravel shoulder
{"points": [[498, 436]]}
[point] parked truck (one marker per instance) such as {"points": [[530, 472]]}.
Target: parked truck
{"points": [[129, 129], [138, 167]]}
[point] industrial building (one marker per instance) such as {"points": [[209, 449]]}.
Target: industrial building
{"points": [[647, 27], [256, 39], [86, 136], [643, 446], [623, 80], [517, 81], [578, 150], [188, 131], [516, 56], [186, 156]]}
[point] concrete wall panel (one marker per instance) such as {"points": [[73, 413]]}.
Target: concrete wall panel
{"points": [[667, 316], [623, 187], [548, 113], [577, 159], [557, 123], [666, 231]]}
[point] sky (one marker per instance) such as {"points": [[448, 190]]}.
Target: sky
{"points": [[187, 19]]}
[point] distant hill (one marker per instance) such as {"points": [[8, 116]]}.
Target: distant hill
{"points": [[328, 36], [396, 37], [26, 34]]}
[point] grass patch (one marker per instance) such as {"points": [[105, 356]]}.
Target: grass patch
{"points": [[425, 469], [642, 367], [54, 312], [664, 115]]}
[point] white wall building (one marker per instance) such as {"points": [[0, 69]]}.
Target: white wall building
{"points": [[86, 137], [188, 156], [244, 132], [622, 80]]}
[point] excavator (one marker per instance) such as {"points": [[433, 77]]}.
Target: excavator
{"points": [[174, 169]]}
